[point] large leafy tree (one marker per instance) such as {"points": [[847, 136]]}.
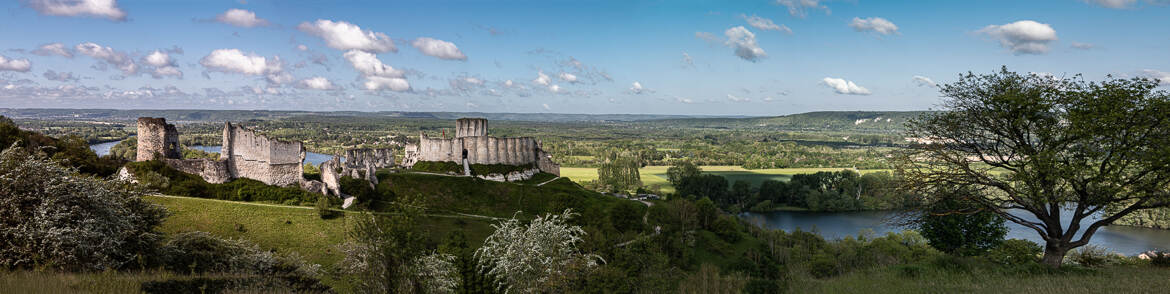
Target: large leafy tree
{"points": [[1047, 153]]}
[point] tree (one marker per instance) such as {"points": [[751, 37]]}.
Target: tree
{"points": [[1051, 148], [539, 257], [681, 170], [956, 226], [619, 172], [710, 186], [383, 252]]}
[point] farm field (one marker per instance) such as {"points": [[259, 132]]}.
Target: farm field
{"points": [[656, 175]]}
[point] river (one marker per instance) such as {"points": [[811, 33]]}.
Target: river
{"points": [[310, 157], [835, 225]]}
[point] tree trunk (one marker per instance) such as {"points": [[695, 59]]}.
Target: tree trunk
{"points": [[1054, 254]]}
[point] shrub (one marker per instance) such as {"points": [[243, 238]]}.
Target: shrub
{"points": [[1014, 252], [910, 271], [323, 208], [823, 266], [1160, 259], [52, 216], [1093, 256], [199, 252]]}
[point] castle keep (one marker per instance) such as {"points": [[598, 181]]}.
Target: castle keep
{"points": [[472, 143], [157, 138]]}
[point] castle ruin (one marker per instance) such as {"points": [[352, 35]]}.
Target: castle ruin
{"points": [[473, 146], [244, 154]]}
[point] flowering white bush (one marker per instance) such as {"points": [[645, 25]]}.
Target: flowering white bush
{"points": [[437, 273], [539, 256], [52, 216]]}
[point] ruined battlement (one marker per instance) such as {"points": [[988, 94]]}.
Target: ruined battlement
{"points": [[246, 144], [156, 137], [471, 127], [378, 158]]}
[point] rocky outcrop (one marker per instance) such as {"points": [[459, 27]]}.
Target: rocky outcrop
{"points": [[515, 176]]}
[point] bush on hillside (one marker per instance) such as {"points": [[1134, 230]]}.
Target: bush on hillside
{"points": [[52, 216], [1014, 252], [71, 151]]}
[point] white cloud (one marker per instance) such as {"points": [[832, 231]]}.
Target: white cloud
{"points": [[1115, 4], [61, 76], [1022, 37], [764, 24], [1082, 46], [438, 48], [508, 83], [554, 88], [841, 86], [799, 8], [924, 81], [118, 59], [378, 75], [687, 60], [53, 49], [874, 24], [542, 79], [545, 105], [241, 18], [234, 60], [302, 47], [17, 65], [568, 77], [637, 88], [1161, 76], [98, 8], [163, 65], [684, 100], [744, 42], [315, 83], [734, 98], [342, 35], [705, 36]]}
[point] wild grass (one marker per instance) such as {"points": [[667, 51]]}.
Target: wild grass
{"points": [[926, 279]]}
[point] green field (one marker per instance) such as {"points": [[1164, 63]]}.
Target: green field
{"points": [[656, 175]]}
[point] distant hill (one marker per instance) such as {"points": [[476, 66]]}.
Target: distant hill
{"points": [[850, 121], [190, 115]]}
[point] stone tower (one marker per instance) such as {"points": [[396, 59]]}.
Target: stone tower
{"points": [[471, 127], [157, 137]]}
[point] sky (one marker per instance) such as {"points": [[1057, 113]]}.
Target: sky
{"points": [[758, 58]]}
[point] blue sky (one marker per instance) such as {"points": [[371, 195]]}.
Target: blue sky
{"points": [[766, 57]]}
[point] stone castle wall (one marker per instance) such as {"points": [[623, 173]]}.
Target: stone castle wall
{"points": [[472, 142], [377, 158], [156, 137], [212, 171], [480, 150], [254, 156]]}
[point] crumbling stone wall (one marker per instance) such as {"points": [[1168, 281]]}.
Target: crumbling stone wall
{"points": [[254, 156], [377, 158], [471, 142], [212, 171], [156, 137]]}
